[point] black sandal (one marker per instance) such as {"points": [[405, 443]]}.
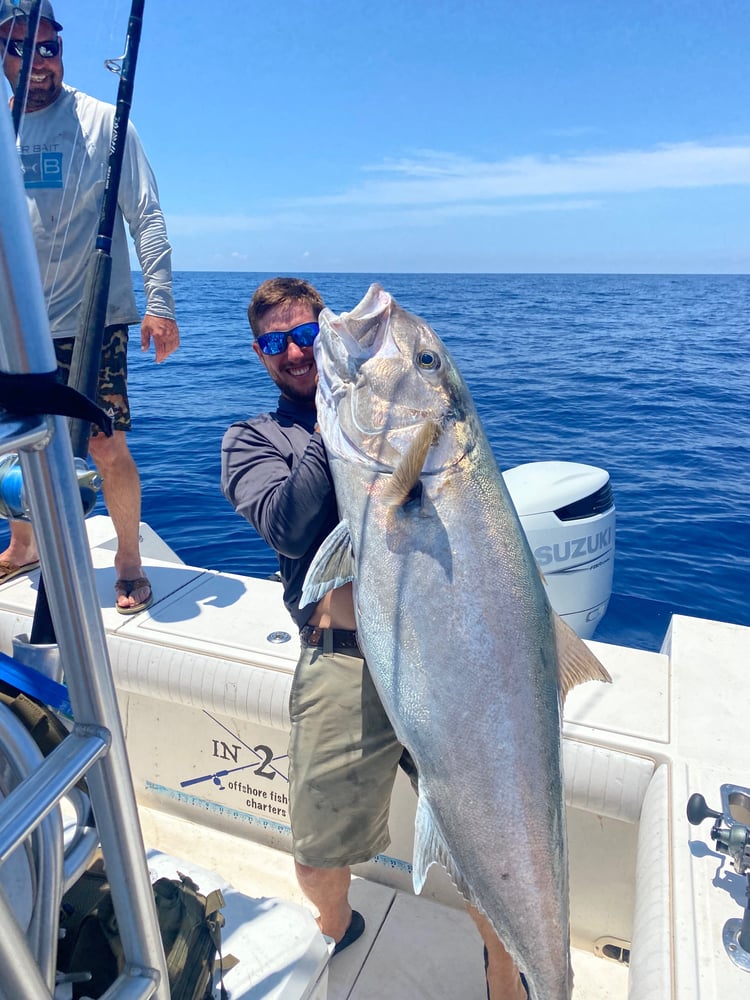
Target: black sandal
{"points": [[353, 932]]}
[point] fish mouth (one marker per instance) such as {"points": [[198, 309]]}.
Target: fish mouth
{"points": [[351, 338], [360, 357]]}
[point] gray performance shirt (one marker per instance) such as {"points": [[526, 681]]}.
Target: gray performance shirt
{"points": [[64, 155], [274, 472]]}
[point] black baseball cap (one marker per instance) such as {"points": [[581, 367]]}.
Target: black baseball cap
{"points": [[12, 9]]}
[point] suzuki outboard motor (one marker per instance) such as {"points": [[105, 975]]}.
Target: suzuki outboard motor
{"points": [[568, 515]]}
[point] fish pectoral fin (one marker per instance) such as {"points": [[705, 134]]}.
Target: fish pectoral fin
{"points": [[406, 475], [577, 663], [332, 566], [430, 848]]}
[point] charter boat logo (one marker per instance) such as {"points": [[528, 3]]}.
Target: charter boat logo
{"points": [[251, 776]]}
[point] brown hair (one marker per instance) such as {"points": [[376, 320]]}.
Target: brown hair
{"points": [[282, 291]]}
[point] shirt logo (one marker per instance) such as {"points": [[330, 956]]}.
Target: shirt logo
{"points": [[42, 170]]}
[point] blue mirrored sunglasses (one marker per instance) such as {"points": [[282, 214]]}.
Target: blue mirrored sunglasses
{"points": [[47, 50], [276, 343]]}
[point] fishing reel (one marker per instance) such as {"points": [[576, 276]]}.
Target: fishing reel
{"points": [[14, 503], [731, 834]]}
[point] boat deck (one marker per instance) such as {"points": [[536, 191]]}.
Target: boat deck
{"points": [[412, 948], [203, 680]]}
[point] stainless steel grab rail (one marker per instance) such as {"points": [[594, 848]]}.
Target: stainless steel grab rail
{"points": [[97, 745]]}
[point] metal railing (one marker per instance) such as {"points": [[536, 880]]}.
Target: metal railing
{"points": [[96, 744]]}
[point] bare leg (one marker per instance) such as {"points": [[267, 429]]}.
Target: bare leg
{"points": [[328, 890], [503, 980], [22, 546], [122, 494]]}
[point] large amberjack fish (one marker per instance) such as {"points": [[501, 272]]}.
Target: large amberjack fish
{"points": [[469, 659]]}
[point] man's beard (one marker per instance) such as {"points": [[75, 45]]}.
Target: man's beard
{"points": [[306, 398], [41, 95]]}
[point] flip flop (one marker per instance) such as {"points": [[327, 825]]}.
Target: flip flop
{"points": [[124, 588], [9, 570], [353, 932]]}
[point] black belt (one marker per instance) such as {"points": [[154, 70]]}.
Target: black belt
{"points": [[333, 638]]}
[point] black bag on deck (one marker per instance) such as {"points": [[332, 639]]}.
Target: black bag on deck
{"points": [[41, 721], [190, 926]]}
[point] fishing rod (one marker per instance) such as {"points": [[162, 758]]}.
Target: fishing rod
{"points": [[87, 349], [21, 91]]}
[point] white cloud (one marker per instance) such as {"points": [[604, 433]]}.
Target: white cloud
{"points": [[429, 186], [440, 178]]}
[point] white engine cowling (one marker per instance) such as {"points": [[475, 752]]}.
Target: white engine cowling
{"points": [[568, 515]]}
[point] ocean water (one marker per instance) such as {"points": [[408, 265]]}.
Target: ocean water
{"points": [[647, 377]]}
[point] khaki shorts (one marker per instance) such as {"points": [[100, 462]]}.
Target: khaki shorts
{"points": [[112, 385], [343, 757]]}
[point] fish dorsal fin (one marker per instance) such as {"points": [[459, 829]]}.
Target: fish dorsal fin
{"points": [[332, 566], [406, 474], [577, 663]]}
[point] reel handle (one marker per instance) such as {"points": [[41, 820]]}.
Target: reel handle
{"points": [[698, 810]]}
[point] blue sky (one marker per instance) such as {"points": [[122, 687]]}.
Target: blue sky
{"points": [[452, 135]]}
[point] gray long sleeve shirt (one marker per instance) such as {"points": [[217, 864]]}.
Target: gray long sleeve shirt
{"points": [[64, 154], [274, 472]]}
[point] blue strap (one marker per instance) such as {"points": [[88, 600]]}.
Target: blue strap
{"points": [[35, 684]]}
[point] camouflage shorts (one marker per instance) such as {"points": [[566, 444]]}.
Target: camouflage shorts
{"points": [[112, 386]]}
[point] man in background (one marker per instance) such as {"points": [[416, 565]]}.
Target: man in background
{"points": [[64, 141]]}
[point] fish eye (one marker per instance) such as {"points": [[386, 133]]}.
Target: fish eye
{"points": [[428, 360]]}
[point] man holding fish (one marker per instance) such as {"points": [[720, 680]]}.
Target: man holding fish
{"points": [[343, 752]]}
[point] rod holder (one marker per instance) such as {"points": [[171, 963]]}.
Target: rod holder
{"points": [[731, 834]]}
